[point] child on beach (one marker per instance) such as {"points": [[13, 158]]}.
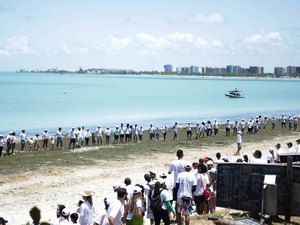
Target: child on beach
{"points": [[30, 143]]}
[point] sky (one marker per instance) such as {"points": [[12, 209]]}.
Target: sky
{"points": [[143, 34]]}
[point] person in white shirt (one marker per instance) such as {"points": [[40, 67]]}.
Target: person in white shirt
{"points": [[23, 140], [298, 146], [8, 142], [122, 133], [135, 133], [87, 137], [116, 209], [78, 138], [83, 133], [271, 156], [36, 144], [151, 132], [127, 133], [107, 134], [175, 131], [209, 130], [72, 135], [13, 142], [98, 134], [227, 128], [250, 126], [279, 151], [243, 126], [185, 185], [202, 182], [177, 167], [283, 122], [45, 138], [290, 121], [86, 209], [290, 149], [197, 129], [140, 132], [58, 136], [257, 157], [188, 131], [239, 142], [116, 135], [135, 206], [65, 217], [216, 127]]}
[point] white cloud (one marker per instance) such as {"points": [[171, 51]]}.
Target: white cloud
{"points": [[119, 43], [264, 38], [4, 52], [215, 17], [19, 46], [74, 48]]}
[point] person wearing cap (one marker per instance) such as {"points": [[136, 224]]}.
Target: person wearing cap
{"points": [[58, 136], [161, 211], [283, 122], [1, 144], [116, 135], [243, 126], [36, 144], [135, 206], [239, 142], [185, 185], [98, 133], [202, 182], [151, 132], [116, 208], [65, 217], [216, 127], [140, 133], [72, 135], [208, 129], [13, 142], [86, 209], [3, 221], [45, 138], [107, 134], [291, 122], [148, 190], [273, 121], [127, 133], [250, 126]]}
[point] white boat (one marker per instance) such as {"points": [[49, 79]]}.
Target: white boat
{"points": [[235, 94]]}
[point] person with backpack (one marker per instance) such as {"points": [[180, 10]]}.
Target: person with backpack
{"points": [[160, 203], [148, 190]]}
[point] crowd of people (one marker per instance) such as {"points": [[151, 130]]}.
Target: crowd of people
{"points": [[186, 188], [84, 137]]}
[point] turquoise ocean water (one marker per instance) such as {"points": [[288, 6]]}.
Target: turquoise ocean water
{"points": [[34, 101]]}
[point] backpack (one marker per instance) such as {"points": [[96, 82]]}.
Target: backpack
{"points": [[155, 202]]}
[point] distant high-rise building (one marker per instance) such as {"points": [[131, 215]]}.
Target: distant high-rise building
{"points": [[168, 68], [230, 68], [256, 70], [194, 69], [279, 71]]}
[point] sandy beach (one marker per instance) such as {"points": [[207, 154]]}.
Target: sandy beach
{"points": [[47, 187]]}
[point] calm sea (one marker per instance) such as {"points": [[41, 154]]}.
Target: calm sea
{"points": [[34, 101]]}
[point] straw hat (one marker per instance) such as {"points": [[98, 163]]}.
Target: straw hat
{"points": [[87, 193]]}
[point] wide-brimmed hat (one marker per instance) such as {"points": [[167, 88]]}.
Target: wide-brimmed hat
{"points": [[87, 193]]}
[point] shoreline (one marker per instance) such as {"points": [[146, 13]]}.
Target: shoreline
{"points": [[49, 185]]}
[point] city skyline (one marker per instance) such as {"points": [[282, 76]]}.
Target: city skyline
{"points": [[142, 35]]}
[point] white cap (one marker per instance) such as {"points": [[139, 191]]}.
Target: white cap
{"points": [[65, 212]]}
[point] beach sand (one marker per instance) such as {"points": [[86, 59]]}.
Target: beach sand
{"points": [[48, 187]]}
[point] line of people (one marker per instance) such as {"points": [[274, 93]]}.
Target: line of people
{"points": [[83, 137]]}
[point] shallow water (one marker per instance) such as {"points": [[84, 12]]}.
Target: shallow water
{"points": [[34, 101]]}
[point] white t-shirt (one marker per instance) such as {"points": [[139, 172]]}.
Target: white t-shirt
{"points": [[23, 136], [116, 210], [98, 132], [176, 167], [86, 213], [164, 196], [101, 219], [202, 181], [239, 139], [138, 204], [292, 150], [72, 134], [58, 134], [186, 181], [107, 132]]}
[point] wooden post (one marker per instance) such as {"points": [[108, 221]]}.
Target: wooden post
{"points": [[289, 177]]}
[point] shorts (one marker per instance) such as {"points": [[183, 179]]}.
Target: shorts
{"points": [[185, 204]]}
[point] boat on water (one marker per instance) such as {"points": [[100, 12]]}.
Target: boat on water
{"points": [[235, 94]]}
